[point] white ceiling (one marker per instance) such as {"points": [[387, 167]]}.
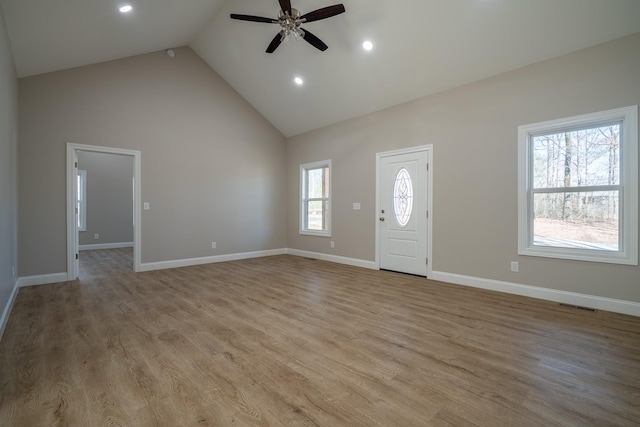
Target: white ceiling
{"points": [[421, 46]]}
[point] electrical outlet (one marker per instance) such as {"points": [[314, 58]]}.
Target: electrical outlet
{"points": [[333, 245], [515, 266], [356, 206], [213, 245], [96, 236]]}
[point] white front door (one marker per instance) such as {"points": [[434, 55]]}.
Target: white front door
{"points": [[403, 214]]}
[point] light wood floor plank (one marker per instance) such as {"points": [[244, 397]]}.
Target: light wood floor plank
{"points": [[289, 341]]}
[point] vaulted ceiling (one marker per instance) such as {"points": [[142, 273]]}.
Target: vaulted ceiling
{"points": [[420, 47]]}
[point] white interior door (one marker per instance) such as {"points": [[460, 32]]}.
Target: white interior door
{"points": [[403, 202]]}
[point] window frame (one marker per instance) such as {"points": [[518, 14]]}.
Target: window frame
{"points": [[304, 170], [627, 117], [81, 202]]}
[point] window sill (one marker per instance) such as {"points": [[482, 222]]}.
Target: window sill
{"points": [[580, 255], [316, 233]]}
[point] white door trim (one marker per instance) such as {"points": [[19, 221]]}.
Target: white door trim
{"points": [[429, 149], [72, 225]]}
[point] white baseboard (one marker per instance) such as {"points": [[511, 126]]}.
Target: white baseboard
{"points": [[42, 279], [161, 265], [334, 258], [7, 309], [105, 246], [572, 298]]}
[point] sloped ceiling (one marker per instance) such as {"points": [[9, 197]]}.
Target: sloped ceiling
{"points": [[420, 46]]}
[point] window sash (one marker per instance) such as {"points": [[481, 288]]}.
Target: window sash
{"points": [[562, 240], [325, 206]]}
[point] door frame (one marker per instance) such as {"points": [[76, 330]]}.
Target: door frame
{"points": [[379, 156], [72, 224]]}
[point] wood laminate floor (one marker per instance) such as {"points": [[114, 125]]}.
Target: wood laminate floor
{"points": [[288, 341]]}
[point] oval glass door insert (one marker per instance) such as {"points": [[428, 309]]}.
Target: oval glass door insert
{"points": [[403, 197]]}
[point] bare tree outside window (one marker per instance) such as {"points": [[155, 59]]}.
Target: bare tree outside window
{"points": [[576, 186]]}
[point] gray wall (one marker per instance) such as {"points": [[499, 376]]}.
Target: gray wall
{"points": [[213, 169], [8, 171], [109, 197], [474, 133]]}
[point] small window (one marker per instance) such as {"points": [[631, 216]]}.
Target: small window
{"points": [[578, 195], [315, 212], [81, 203]]}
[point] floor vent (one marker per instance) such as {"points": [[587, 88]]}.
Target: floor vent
{"points": [[578, 307]]}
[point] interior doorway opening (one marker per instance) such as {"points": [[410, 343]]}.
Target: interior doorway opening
{"points": [[74, 208]]}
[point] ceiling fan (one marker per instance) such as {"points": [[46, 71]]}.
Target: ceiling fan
{"points": [[290, 20]]}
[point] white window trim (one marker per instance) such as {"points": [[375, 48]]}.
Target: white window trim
{"points": [[303, 191], [628, 253], [82, 199]]}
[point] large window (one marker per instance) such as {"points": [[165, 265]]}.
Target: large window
{"points": [[578, 187], [315, 211]]}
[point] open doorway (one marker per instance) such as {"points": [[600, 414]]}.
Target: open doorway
{"points": [[108, 228], [105, 212]]}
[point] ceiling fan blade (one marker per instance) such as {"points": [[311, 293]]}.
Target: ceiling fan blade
{"points": [[285, 5], [253, 18], [314, 41], [274, 43], [325, 12]]}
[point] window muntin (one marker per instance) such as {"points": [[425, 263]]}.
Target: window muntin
{"points": [[403, 198], [315, 214], [578, 187]]}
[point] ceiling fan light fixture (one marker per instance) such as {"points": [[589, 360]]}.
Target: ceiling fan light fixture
{"points": [[297, 34]]}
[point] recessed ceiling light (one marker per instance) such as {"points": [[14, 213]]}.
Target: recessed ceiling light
{"points": [[126, 8], [367, 45], [298, 81]]}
